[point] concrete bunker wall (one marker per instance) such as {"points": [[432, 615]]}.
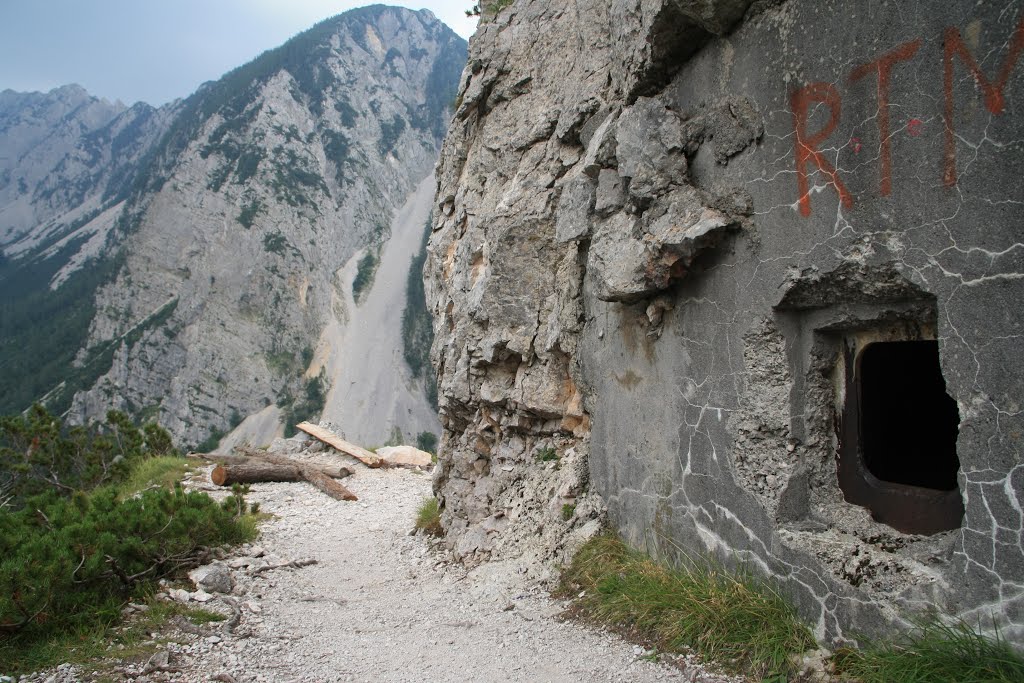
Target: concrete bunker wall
{"points": [[668, 232], [883, 204]]}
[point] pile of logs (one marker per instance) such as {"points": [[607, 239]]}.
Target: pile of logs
{"points": [[253, 466], [261, 466]]}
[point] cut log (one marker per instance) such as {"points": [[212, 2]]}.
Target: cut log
{"points": [[254, 472], [260, 466], [271, 459], [327, 485], [332, 439]]}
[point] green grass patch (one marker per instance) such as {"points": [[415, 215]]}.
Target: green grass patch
{"points": [[200, 616], [730, 619], [163, 471], [92, 644], [935, 652], [428, 518], [546, 455], [82, 646]]}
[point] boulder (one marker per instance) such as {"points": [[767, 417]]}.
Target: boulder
{"points": [[213, 578], [404, 456]]}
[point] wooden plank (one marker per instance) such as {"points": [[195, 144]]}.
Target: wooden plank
{"points": [[332, 439]]}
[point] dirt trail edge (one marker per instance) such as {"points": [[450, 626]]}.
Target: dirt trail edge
{"points": [[381, 605]]}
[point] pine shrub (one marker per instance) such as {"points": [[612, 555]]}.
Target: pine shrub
{"points": [[72, 561], [78, 539], [38, 454]]}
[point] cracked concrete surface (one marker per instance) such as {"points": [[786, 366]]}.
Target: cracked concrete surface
{"points": [[862, 166]]}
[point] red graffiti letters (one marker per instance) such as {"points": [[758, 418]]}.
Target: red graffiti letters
{"points": [[883, 67], [954, 46], [802, 103], [807, 146]]}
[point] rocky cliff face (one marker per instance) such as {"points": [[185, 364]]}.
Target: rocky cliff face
{"points": [[68, 162], [666, 235], [65, 151], [259, 222]]}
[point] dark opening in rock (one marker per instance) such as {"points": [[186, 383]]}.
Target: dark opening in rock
{"points": [[908, 423], [897, 438]]}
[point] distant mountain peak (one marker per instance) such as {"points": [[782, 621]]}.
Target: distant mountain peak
{"points": [[210, 247]]}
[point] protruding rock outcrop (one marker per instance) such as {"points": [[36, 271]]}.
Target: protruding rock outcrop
{"points": [[554, 170]]}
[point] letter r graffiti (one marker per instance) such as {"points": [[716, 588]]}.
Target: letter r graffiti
{"points": [[806, 150]]}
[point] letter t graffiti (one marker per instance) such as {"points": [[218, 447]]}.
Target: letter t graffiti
{"points": [[883, 67]]}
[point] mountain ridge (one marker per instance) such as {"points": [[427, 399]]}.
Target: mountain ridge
{"points": [[241, 210]]}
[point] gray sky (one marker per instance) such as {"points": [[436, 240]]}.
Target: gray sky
{"points": [[157, 50]]}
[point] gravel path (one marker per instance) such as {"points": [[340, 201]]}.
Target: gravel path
{"points": [[381, 605]]}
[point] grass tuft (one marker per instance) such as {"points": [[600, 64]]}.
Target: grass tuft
{"points": [[100, 646], [935, 652], [731, 619], [428, 518], [546, 455], [200, 616], [163, 471]]}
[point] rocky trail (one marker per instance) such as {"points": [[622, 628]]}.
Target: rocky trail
{"points": [[380, 604]]}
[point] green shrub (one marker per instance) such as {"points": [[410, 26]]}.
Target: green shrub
{"points": [[281, 362], [42, 330], [84, 531], [212, 440], [488, 7], [390, 131], [308, 406], [427, 441], [336, 148], [428, 518], [417, 324], [728, 618], [568, 510], [248, 163], [365, 271], [276, 243], [934, 652], [248, 215], [72, 562], [38, 454]]}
